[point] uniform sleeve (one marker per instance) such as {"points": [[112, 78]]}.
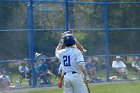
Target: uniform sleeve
{"points": [[57, 54], [114, 64], [79, 57], [27, 70], [20, 69], [123, 65], [133, 64]]}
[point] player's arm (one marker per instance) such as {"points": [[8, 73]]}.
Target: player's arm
{"points": [[60, 82], [60, 44], [79, 46], [83, 69], [77, 43], [59, 47]]}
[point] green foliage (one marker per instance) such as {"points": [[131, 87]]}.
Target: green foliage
{"points": [[14, 45]]}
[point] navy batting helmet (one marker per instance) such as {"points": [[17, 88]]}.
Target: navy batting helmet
{"points": [[69, 40]]}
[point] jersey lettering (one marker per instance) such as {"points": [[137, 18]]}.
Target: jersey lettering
{"points": [[66, 60]]}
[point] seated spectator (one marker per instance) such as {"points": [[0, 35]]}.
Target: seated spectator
{"points": [[119, 67], [5, 80], [56, 70], [23, 70], [136, 65], [39, 66], [44, 73], [91, 70]]}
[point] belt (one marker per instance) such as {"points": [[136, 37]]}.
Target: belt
{"points": [[73, 72]]}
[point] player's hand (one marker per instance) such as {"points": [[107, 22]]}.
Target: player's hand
{"points": [[72, 32], [86, 79], [62, 38], [61, 41], [63, 35], [60, 83]]}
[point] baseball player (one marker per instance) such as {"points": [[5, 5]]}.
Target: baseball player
{"points": [[73, 65]]}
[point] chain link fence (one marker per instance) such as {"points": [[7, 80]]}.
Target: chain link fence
{"points": [[86, 18]]}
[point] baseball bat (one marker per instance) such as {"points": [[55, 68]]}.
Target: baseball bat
{"points": [[87, 88]]}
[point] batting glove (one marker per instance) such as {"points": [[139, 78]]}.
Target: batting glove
{"points": [[61, 41], [62, 38], [60, 83]]}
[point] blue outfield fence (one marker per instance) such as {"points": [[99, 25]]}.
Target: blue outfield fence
{"points": [[38, 28]]}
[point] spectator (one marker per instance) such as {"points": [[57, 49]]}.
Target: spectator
{"points": [[43, 72], [56, 70], [119, 67], [23, 70], [5, 80], [91, 70], [38, 58], [136, 65], [40, 67]]}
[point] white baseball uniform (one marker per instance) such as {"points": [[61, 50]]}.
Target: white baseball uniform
{"points": [[73, 77], [120, 67], [117, 64]]}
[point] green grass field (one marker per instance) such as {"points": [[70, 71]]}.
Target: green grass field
{"points": [[124, 87]]}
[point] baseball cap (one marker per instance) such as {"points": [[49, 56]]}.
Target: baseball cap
{"points": [[37, 54]]}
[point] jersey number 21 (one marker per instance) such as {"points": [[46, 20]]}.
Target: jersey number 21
{"points": [[66, 60]]}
